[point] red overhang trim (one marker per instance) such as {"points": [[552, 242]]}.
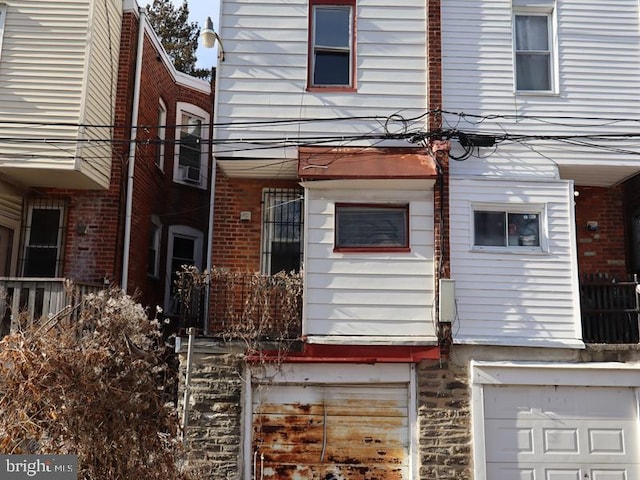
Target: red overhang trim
{"points": [[317, 353], [323, 163]]}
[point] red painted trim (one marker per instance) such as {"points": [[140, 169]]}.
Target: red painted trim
{"points": [[352, 87], [316, 353]]}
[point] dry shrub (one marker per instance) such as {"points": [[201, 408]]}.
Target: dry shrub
{"points": [[91, 388]]}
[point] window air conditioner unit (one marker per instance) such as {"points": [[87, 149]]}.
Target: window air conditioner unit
{"points": [[190, 174]]}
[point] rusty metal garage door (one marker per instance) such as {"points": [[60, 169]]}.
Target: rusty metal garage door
{"points": [[331, 432]]}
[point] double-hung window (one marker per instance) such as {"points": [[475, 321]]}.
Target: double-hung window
{"points": [[514, 228], [332, 44], [192, 137], [281, 230], [533, 49], [371, 227]]}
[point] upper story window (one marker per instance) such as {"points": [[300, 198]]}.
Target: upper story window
{"points": [[332, 44], [161, 136], [281, 230], [371, 227], [192, 135], [512, 228], [534, 56]]}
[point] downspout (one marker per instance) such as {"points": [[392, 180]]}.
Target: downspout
{"points": [[212, 196], [132, 152]]}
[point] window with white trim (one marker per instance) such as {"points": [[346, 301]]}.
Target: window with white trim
{"points": [[155, 232], [282, 210], [192, 133], [161, 136], [514, 228], [43, 234], [533, 49], [331, 56], [184, 247]]}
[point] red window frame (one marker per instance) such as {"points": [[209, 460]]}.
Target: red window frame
{"points": [[311, 51], [404, 247]]}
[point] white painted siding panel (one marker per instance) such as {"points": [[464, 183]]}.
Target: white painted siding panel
{"points": [[44, 77], [100, 88], [368, 294], [264, 74], [507, 297], [599, 64]]}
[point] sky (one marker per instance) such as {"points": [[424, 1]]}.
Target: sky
{"points": [[199, 10]]}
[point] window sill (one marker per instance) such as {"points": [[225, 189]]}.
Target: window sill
{"points": [[536, 93], [371, 249], [333, 89], [511, 250], [198, 186]]}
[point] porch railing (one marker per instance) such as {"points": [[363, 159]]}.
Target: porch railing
{"points": [[260, 307], [610, 310], [27, 299]]}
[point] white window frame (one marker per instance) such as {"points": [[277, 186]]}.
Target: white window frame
{"points": [[59, 240], [543, 8], [155, 242], [162, 133], [180, 174], [529, 208], [185, 232], [3, 14]]}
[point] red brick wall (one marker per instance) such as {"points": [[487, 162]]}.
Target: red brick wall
{"points": [[97, 254], [236, 244], [601, 251]]}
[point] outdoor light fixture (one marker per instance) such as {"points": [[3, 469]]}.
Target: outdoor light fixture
{"points": [[209, 38]]}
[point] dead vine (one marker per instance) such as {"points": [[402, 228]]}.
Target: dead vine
{"points": [[261, 311], [90, 388]]}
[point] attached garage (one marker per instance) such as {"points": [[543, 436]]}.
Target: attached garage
{"points": [[540, 424], [347, 422]]}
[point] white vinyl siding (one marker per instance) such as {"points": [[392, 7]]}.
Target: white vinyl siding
{"points": [[369, 294], [267, 79], [59, 68], [516, 296], [598, 49]]}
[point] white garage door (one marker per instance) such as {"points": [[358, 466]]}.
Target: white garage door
{"points": [[561, 433]]}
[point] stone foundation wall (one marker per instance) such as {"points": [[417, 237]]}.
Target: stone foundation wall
{"points": [[444, 418], [214, 429]]}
